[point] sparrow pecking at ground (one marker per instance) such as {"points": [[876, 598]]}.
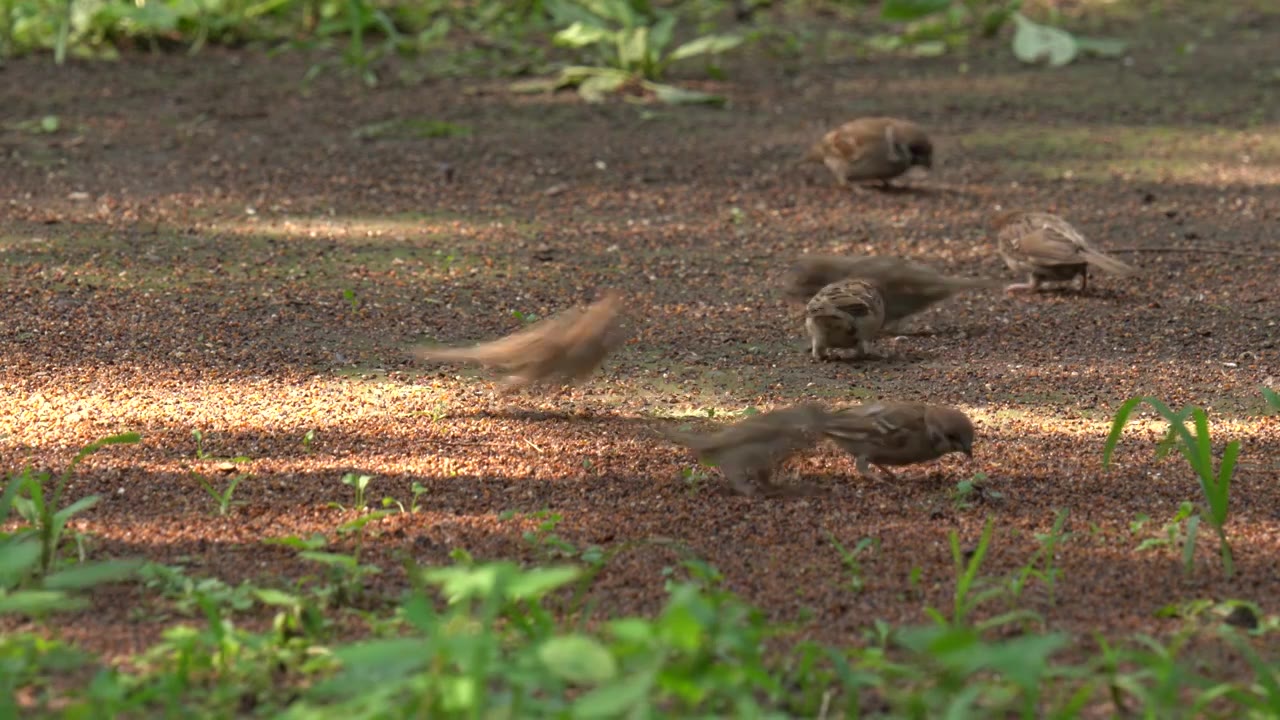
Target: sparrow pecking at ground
{"points": [[872, 148], [899, 433], [845, 314], [1047, 248], [907, 287], [566, 348], [748, 452]]}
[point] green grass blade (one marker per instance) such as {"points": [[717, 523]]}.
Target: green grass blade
{"points": [[1117, 427], [1204, 443], [87, 450], [1272, 397], [1222, 489], [1265, 674], [1189, 547]]}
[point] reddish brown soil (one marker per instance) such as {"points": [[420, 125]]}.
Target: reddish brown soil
{"points": [[175, 259]]}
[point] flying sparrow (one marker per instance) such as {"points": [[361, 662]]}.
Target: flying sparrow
{"points": [[1048, 249], [845, 314], [567, 347], [872, 148], [749, 451], [907, 287], [899, 433]]}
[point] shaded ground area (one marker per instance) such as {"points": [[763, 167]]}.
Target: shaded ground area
{"points": [[202, 247]]}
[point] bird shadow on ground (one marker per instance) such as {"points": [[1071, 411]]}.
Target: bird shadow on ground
{"points": [[880, 359], [914, 191], [960, 331], [1071, 292]]}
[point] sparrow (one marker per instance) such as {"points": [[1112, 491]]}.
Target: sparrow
{"points": [[872, 148], [749, 451], [567, 347], [1048, 249], [907, 287], [899, 433], [845, 314]]}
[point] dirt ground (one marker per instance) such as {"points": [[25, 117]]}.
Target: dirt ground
{"points": [[201, 246]]}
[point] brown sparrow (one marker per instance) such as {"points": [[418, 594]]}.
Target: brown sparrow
{"points": [[845, 314], [568, 346], [907, 287], [1048, 249], [873, 148], [749, 451], [899, 433]]}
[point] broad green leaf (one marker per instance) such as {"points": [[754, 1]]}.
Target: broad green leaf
{"points": [[679, 627], [580, 35], [673, 95], [566, 12], [536, 85], [908, 10], [86, 576], [633, 630], [330, 559], [383, 662], [1035, 43], [619, 11], [937, 640], [533, 584], [1104, 47], [595, 88], [1272, 397], [578, 659], [633, 47], [315, 542], [660, 33], [962, 704], [1025, 659], [33, 602], [421, 613], [614, 700], [271, 596], [462, 582], [929, 48], [707, 44], [14, 484], [16, 560]]}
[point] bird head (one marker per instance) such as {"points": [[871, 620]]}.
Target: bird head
{"points": [[911, 142], [921, 153], [950, 430]]}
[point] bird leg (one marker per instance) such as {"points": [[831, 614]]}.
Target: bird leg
{"points": [[744, 481], [892, 477], [1032, 284], [1084, 280], [864, 469], [819, 351]]}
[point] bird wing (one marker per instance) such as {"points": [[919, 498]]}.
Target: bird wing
{"points": [[788, 425], [853, 297], [811, 273], [1048, 247], [1061, 232], [886, 425], [524, 347]]}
